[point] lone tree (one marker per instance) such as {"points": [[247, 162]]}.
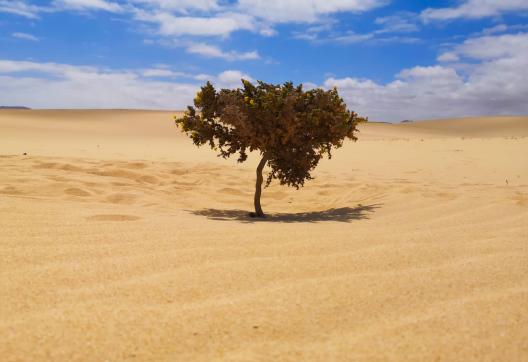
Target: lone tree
{"points": [[291, 128]]}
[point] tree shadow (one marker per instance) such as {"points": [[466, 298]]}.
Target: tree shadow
{"points": [[343, 214]]}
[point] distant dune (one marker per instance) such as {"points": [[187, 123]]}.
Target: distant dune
{"points": [[121, 240], [132, 132], [13, 107], [474, 127]]}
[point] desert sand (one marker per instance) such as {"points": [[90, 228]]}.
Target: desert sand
{"points": [[120, 240]]}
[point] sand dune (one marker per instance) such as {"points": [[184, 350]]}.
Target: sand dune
{"points": [[120, 240], [476, 127]]}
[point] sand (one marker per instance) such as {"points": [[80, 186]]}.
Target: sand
{"points": [[119, 240]]}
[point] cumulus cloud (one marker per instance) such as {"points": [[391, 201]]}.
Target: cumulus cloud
{"points": [[492, 47], [171, 25], [491, 77], [489, 47], [494, 82], [231, 79], [221, 18], [485, 74], [474, 9], [448, 57], [55, 85]]}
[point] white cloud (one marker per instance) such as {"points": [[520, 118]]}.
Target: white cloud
{"points": [[162, 73], [448, 57], [54, 85], [67, 86], [496, 84], [19, 8], [95, 91], [260, 13], [500, 28], [398, 23], [474, 9], [231, 79], [309, 86], [176, 19], [490, 78], [13, 66], [352, 37], [221, 25], [493, 47], [280, 11], [314, 32], [25, 36], [223, 18], [208, 50], [87, 5], [268, 31], [22, 8], [433, 74], [211, 51], [181, 6], [203, 77], [489, 47]]}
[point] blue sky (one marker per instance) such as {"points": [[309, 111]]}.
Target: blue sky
{"points": [[390, 60]]}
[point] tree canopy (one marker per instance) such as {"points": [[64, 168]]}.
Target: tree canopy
{"points": [[291, 128]]}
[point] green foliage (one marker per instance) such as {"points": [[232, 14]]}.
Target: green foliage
{"points": [[291, 128]]}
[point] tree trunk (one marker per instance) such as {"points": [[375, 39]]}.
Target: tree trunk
{"points": [[258, 187]]}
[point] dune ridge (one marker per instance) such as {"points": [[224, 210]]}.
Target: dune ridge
{"points": [[120, 240]]}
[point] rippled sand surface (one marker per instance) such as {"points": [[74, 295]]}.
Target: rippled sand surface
{"points": [[119, 240]]}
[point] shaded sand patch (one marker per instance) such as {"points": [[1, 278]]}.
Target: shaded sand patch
{"points": [[342, 214]]}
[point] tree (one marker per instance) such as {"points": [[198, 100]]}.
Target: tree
{"points": [[292, 129]]}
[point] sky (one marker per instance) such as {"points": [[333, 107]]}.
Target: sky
{"points": [[391, 60]]}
